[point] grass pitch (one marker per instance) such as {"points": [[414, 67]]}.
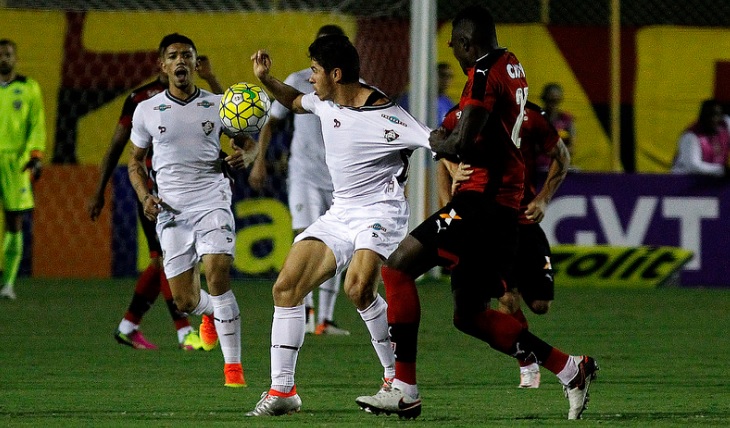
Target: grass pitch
{"points": [[663, 358]]}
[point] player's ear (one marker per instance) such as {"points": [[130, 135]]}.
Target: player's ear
{"points": [[336, 74]]}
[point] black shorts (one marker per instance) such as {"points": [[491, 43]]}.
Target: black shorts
{"points": [[532, 273], [477, 240], [148, 227]]}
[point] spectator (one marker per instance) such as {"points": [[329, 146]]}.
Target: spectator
{"points": [[443, 102], [703, 147], [552, 98]]}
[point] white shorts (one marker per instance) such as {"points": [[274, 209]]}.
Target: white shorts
{"points": [[186, 237], [307, 203], [379, 227]]}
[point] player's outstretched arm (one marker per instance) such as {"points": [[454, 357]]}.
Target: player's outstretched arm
{"points": [[111, 158], [560, 161], [473, 119], [205, 71], [285, 94]]}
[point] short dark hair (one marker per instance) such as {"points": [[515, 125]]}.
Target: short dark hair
{"points": [[484, 31], [707, 109], [173, 38], [330, 30], [8, 42], [549, 88], [337, 52]]}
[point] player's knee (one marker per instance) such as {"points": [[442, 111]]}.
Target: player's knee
{"points": [[360, 292], [186, 302], [540, 307]]}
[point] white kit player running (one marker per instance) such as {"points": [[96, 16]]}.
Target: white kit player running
{"points": [[367, 141], [193, 201], [309, 186]]}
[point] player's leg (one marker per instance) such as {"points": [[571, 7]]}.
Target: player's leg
{"points": [[145, 293], [328, 292], [17, 199], [308, 263], [12, 251], [502, 331]]}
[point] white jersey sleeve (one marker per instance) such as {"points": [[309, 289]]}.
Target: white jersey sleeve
{"points": [[140, 136]]}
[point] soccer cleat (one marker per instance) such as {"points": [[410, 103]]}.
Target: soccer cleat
{"points": [[234, 375], [329, 327], [135, 339], [208, 334], [310, 325], [577, 390], [530, 376], [390, 400], [191, 342], [7, 292], [274, 405]]}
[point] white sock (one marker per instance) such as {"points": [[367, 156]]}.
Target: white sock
{"points": [[327, 296], [181, 333], [205, 306], [228, 325], [127, 327], [528, 368], [407, 388], [569, 371], [376, 320], [287, 337]]}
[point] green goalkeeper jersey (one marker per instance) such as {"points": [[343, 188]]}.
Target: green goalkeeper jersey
{"points": [[22, 119]]}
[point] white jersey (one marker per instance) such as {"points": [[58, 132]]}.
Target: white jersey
{"points": [[367, 148], [307, 160], [185, 137]]}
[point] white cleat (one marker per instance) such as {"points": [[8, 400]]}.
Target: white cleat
{"points": [[391, 400], [530, 376], [7, 293], [272, 405], [577, 390]]}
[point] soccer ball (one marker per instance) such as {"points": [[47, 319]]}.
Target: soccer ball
{"points": [[244, 108]]}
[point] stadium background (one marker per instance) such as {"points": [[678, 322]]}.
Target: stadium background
{"points": [[88, 55]]}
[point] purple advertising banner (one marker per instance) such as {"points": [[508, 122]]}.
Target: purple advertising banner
{"points": [[648, 209]]}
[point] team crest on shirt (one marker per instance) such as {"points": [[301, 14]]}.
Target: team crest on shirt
{"points": [[162, 107], [205, 104], [391, 135], [208, 127]]}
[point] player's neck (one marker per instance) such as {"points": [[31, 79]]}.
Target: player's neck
{"points": [[182, 93], [352, 95]]}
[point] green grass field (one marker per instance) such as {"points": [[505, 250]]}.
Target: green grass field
{"points": [[663, 357]]}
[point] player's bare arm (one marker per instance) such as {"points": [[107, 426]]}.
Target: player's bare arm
{"points": [[257, 176], [205, 72], [285, 94], [245, 150], [108, 163], [556, 175], [473, 119], [138, 176]]}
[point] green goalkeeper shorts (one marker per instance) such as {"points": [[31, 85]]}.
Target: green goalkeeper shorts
{"points": [[17, 193]]}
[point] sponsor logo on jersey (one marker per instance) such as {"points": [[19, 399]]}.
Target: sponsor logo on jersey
{"points": [[378, 226], [208, 127], [227, 228], [391, 135], [394, 119], [484, 72], [448, 218], [163, 107], [206, 104], [162, 129], [337, 123], [515, 71]]}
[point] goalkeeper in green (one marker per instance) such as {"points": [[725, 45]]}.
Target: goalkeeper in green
{"points": [[22, 142]]}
